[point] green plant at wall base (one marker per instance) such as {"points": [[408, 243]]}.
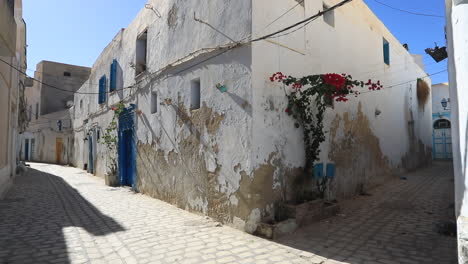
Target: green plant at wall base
{"points": [[308, 99], [110, 138]]}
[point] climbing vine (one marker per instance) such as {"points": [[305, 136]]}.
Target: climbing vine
{"points": [[110, 138], [307, 101]]}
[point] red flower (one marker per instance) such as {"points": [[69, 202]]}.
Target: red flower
{"points": [[114, 108], [287, 110], [341, 99], [335, 80], [297, 86]]}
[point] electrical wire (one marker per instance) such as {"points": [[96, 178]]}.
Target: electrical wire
{"points": [[57, 88], [282, 15], [393, 86], [409, 12], [320, 13]]}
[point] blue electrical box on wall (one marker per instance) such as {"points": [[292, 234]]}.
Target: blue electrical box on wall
{"points": [[330, 170], [318, 170]]}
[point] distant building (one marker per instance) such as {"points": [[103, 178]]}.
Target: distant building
{"points": [[441, 121], [49, 136], [205, 129]]}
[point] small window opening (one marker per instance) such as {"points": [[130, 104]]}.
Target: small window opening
{"points": [[154, 102], [81, 104], [141, 50], [329, 17], [195, 94], [386, 51], [113, 76], [67, 74], [37, 111], [102, 90]]}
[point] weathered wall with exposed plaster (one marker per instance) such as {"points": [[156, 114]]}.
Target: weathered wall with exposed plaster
{"points": [[239, 153], [366, 148], [191, 158]]}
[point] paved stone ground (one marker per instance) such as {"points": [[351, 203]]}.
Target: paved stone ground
{"points": [[396, 224], [58, 214]]}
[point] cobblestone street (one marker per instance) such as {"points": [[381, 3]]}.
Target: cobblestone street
{"points": [[57, 214]]}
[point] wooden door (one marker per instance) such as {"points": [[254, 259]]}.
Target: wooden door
{"points": [[58, 150]]}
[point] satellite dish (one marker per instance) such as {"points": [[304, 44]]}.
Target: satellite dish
{"points": [[70, 104]]}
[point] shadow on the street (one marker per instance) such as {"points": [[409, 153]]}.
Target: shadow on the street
{"points": [[399, 223], [35, 213]]}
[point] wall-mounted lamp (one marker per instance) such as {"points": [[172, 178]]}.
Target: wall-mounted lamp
{"points": [[444, 103], [377, 112], [148, 6]]}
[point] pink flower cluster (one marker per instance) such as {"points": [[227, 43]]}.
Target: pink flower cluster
{"points": [[279, 76], [374, 86]]}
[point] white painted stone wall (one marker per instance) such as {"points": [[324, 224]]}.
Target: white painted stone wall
{"points": [[45, 132], [352, 46], [228, 158], [457, 44]]}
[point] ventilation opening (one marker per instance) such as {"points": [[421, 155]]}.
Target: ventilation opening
{"points": [[154, 102], [141, 49], [67, 74], [195, 94], [329, 17]]}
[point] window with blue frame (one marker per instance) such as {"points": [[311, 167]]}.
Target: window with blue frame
{"points": [[102, 90], [113, 76], [386, 51]]}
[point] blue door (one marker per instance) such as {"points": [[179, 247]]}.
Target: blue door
{"points": [[91, 156], [127, 147], [26, 150], [442, 140]]}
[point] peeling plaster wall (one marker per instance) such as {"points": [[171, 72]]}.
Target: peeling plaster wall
{"points": [[194, 159], [366, 148]]}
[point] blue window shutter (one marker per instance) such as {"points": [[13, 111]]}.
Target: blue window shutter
{"points": [[386, 51], [113, 76], [102, 90]]}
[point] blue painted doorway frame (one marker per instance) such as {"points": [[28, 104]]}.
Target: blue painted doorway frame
{"points": [[127, 147], [91, 156]]}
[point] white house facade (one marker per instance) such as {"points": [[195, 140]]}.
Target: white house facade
{"points": [[205, 129]]}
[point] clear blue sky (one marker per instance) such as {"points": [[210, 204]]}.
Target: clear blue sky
{"points": [[76, 31]]}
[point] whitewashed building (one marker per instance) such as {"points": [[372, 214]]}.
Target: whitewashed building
{"points": [[12, 84], [457, 47], [206, 130]]}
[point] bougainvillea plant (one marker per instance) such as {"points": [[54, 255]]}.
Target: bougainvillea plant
{"points": [[307, 101], [110, 138]]}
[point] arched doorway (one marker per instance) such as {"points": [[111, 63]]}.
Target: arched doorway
{"points": [[442, 139]]}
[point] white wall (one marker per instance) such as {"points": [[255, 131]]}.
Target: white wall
{"points": [[45, 132], [352, 46], [457, 40], [227, 159]]}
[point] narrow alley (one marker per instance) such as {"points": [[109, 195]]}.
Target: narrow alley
{"points": [[57, 214]]}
